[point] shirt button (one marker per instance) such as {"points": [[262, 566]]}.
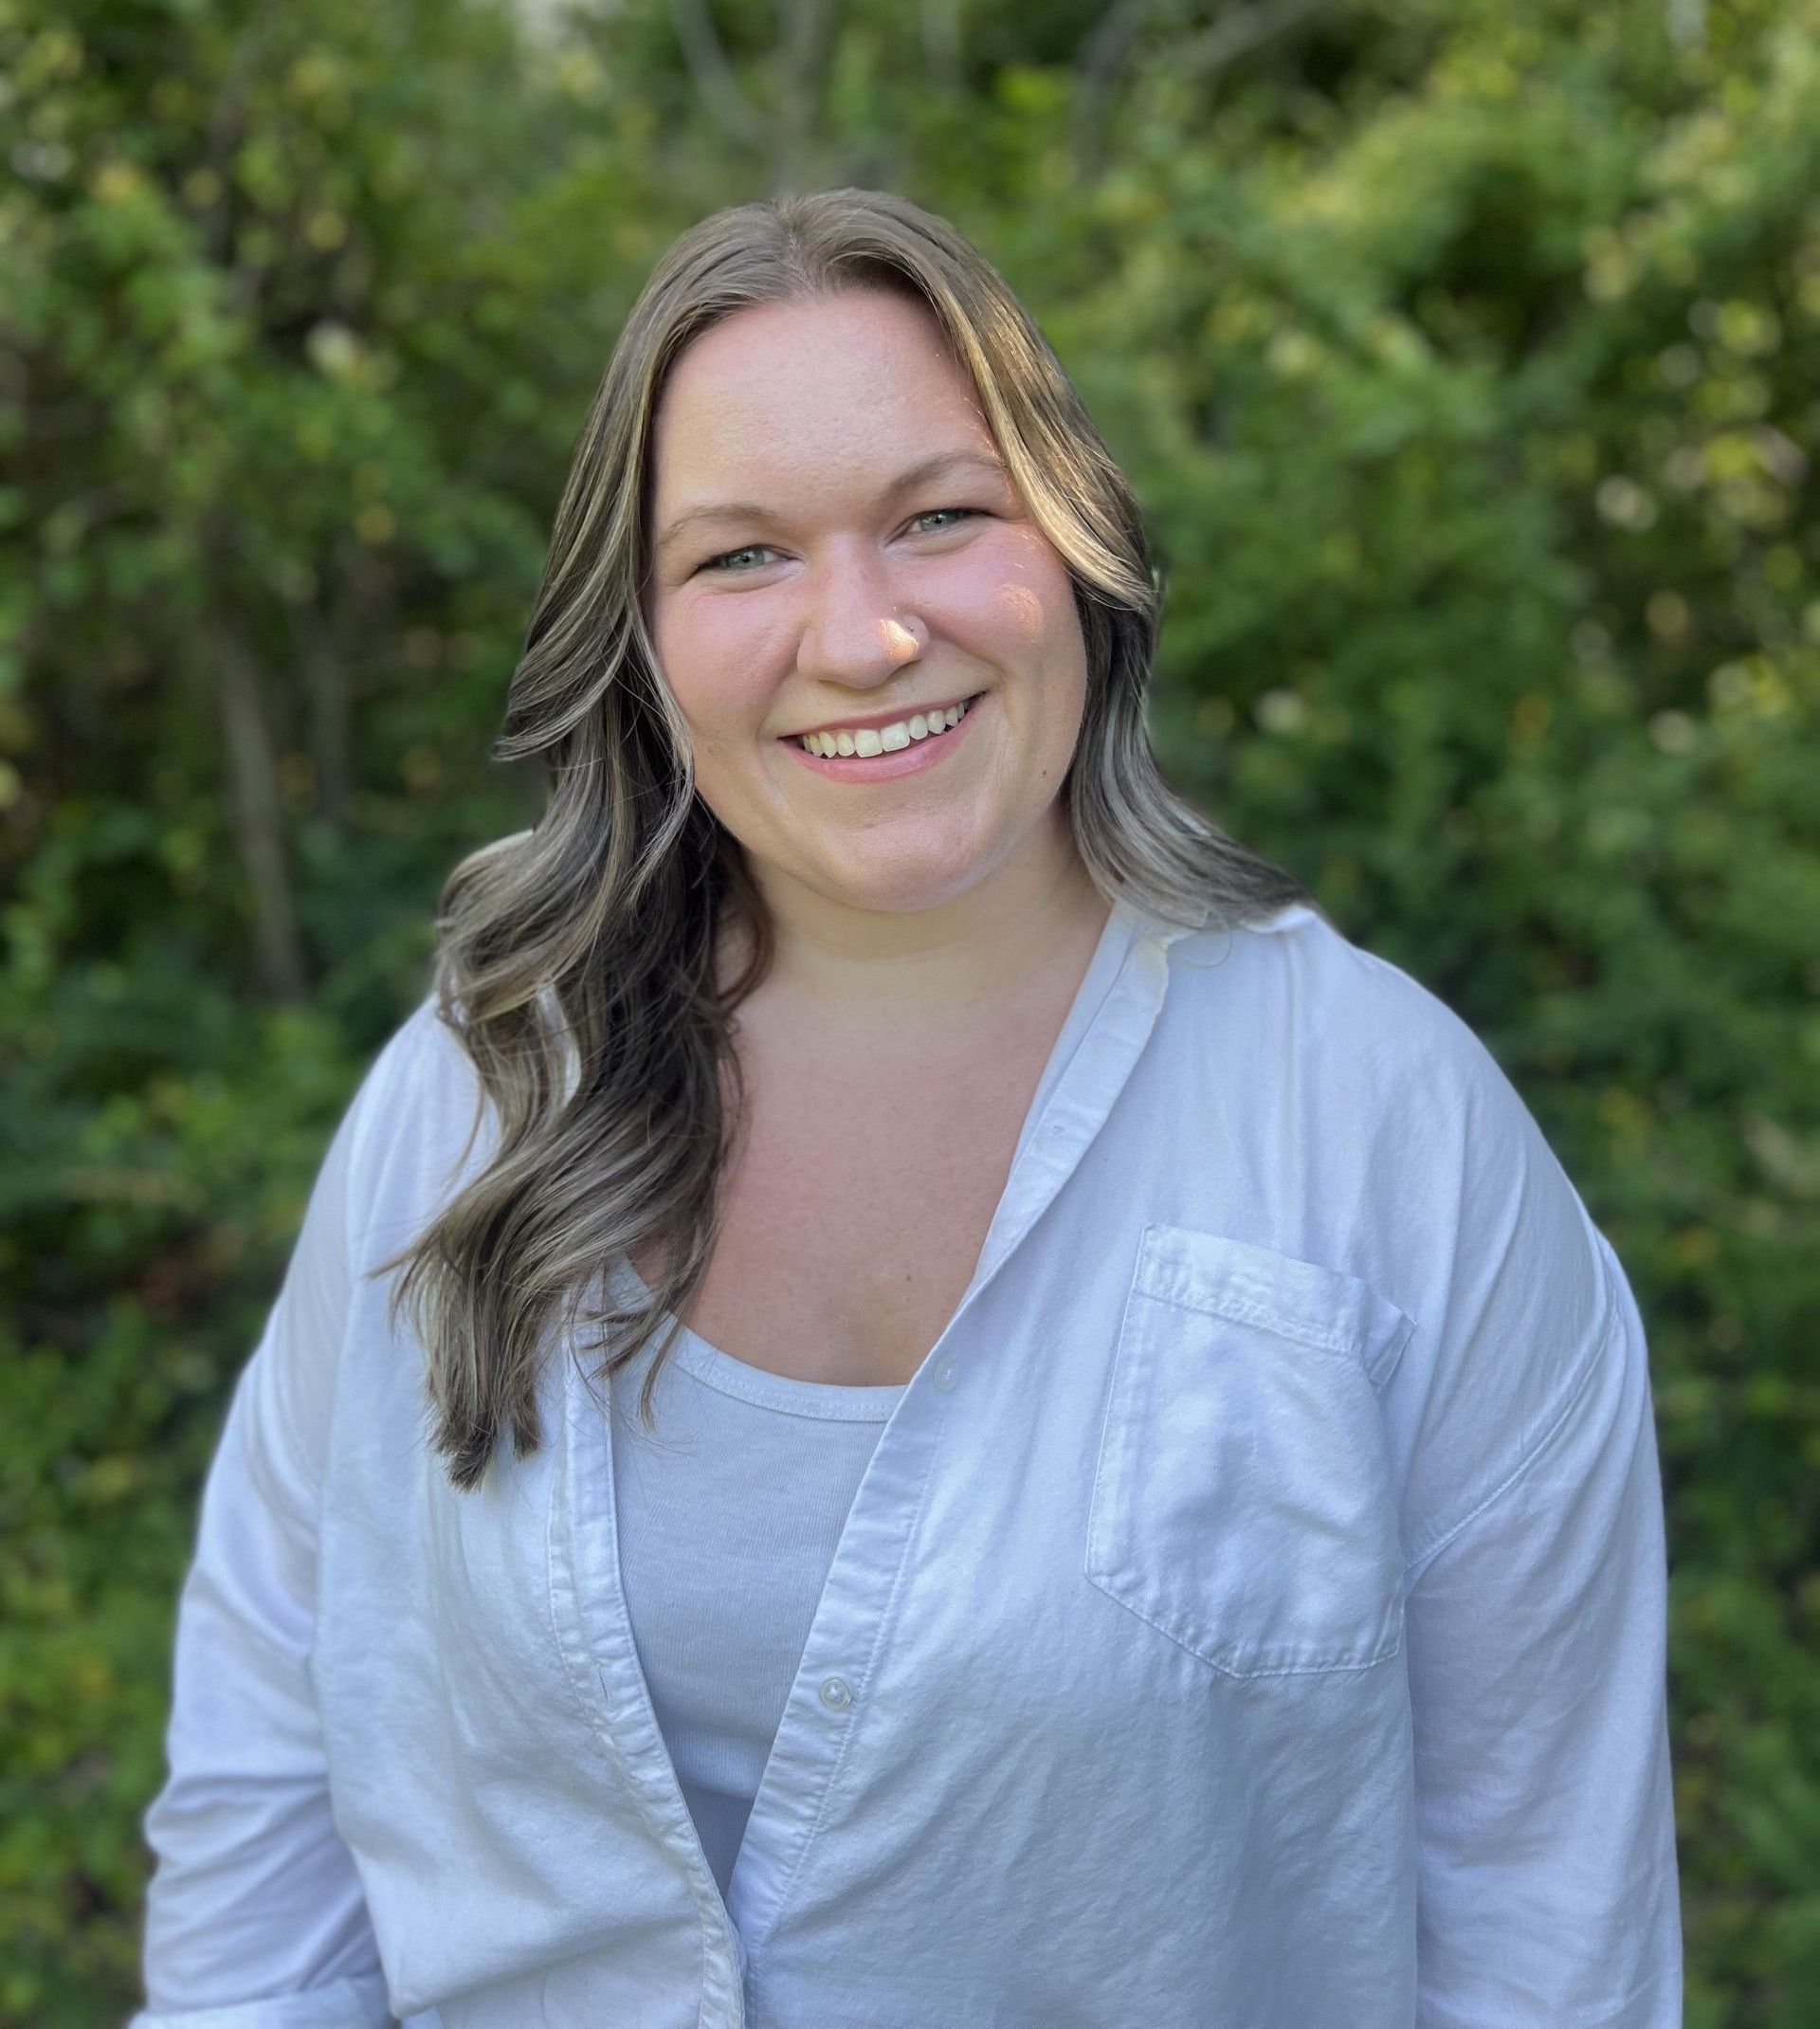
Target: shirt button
{"points": [[837, 1693], [946, 1375]]}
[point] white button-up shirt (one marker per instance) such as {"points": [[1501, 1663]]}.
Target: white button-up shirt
{"points": [[1252, 1614]]}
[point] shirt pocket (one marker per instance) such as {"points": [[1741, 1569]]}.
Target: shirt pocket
{"points": [[1242, 1500]]}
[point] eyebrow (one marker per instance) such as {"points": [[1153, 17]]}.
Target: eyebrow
{"points": [[925, 468]]}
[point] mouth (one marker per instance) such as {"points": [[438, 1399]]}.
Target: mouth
{"points": [[884, 765], [966, 704]]}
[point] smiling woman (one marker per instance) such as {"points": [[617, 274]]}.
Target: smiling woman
{"points": [[856, 613], [1155, 1514]]}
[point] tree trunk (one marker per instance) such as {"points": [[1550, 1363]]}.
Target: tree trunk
{"points": [[257, 812]]}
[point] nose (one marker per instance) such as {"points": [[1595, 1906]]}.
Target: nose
{"points": [[855, 630]]}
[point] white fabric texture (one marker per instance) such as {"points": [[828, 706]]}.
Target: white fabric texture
{"points": [[1251, 1611], [729, 1513]]}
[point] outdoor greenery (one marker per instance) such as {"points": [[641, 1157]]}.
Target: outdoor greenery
{"points": [[1465, 355]]}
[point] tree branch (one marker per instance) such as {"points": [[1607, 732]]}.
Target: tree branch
{"points": [[711, 75]]}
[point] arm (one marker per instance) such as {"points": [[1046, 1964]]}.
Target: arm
{"points": [[255, 1917], [1536, 1630]]}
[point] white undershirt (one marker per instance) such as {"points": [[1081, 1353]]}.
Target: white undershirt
{"points": [[729, 1514]]}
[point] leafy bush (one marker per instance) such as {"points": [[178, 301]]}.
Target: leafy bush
{"points": [[1464, 357]]}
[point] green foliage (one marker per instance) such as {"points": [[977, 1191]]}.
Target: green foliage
{"points": [[1465, 359]]}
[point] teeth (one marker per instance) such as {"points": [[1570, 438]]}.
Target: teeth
{"points": [[870, 739]]}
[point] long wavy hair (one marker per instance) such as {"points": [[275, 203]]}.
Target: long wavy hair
{"points": [[575, 961]]}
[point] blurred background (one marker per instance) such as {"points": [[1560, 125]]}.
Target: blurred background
{"points": [[1466, 360]]}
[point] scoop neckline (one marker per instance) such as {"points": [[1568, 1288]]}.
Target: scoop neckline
{"points": [[838, 1401]]}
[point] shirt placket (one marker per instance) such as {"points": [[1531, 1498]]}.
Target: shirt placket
{"points": [[836, 1672]]}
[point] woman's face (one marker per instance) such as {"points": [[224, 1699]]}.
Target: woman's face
{"points": [[835, 582]]}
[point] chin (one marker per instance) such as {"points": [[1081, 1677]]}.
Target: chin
{"points": [[898, 891]]}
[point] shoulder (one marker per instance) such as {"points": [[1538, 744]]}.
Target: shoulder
{"points": [[1350, 1025], [1430, 1175], [416, 1126]]}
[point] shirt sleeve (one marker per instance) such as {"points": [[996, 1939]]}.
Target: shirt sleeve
{"points": [[1536, 1631], [255, 1918]]}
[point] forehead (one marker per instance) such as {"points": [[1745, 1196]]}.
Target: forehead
{"points": [[855, 383]]}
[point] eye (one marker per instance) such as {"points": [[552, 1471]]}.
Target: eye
{"points": [[724, 562], [727, 561]]}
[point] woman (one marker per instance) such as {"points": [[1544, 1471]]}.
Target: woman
{"points": [[981, 1420]]}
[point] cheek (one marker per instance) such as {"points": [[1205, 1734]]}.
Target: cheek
{"points": [[1014, 596], [714, 659]]}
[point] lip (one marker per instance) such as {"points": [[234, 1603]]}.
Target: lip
{"points": [[873, 720], [912, 759]]}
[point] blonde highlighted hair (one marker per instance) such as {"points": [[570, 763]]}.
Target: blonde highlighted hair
{"points": [[575, 961]]}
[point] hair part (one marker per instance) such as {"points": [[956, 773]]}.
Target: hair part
{"points": [[575, 961]]}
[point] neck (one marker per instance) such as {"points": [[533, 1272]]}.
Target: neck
{"points": [[926, 974]]}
